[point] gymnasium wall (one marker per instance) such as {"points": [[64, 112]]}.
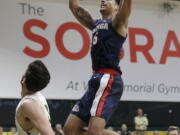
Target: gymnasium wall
{"points": [[34, 29], [47, 30]]}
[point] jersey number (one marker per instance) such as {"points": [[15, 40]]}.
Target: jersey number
{"points": [[95, 38]]}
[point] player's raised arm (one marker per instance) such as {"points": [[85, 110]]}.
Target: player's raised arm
{"points": [[81, 14], [120, 21]]}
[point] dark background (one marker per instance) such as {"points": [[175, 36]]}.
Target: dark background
{"points": [[160, 114]]}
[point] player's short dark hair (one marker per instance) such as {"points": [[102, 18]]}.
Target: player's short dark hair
{"points": [[118, 1], [37, 76]]}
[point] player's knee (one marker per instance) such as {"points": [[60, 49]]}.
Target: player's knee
{"points": [[94, 131], [68, 130]]}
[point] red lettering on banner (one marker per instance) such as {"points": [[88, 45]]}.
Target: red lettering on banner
{"points": [[61, 47], [171, 37], [134, 47], [36, 38]]}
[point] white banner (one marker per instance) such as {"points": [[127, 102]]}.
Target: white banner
{"points": [[49, 32]]}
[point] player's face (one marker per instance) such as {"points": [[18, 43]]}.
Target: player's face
{"points": [[22, 84], [108, 6]]}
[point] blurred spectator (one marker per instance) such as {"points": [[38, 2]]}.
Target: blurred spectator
{"points": [[156, 133], [173, 130], [124, 130], [13, 130], [141, 122], [110, 128], [58, 129], [1, 130]]}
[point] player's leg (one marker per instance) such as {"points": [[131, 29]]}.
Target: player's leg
{"points": [[104, 104], [80, 113], [107, 91], [73, 126], [97, 125]]}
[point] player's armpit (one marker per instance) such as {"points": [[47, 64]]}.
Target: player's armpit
{"points": [[81, 14], [120, 21], [33, 111]]}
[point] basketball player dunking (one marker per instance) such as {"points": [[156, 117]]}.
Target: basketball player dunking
{"points": [[105, 86], [32, 113]]}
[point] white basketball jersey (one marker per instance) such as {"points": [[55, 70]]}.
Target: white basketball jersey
{"points": [[44, 106]]}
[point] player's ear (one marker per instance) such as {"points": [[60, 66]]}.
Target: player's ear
{"points": [[23, 80]]}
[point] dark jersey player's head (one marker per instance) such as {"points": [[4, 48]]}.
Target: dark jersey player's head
{"points": [[109, 7], [36, 76]]}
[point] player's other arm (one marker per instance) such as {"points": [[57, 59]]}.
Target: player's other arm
{"points": [[32, 111], [81, 14], [120, 21]]}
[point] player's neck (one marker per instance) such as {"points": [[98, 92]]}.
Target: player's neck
{"points": [[26, 92], [106, 16]]}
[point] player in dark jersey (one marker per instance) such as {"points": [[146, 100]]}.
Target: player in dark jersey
{"points": [[105, 86]]}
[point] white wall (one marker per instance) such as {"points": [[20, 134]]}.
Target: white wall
{"points": [[143, 81]]}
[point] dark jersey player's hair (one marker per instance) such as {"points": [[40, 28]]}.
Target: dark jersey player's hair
{"points": [[118, 1], [37, 76]]}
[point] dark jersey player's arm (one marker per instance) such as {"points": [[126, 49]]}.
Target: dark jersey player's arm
{"points": [[81, 14], [120, 21]]}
